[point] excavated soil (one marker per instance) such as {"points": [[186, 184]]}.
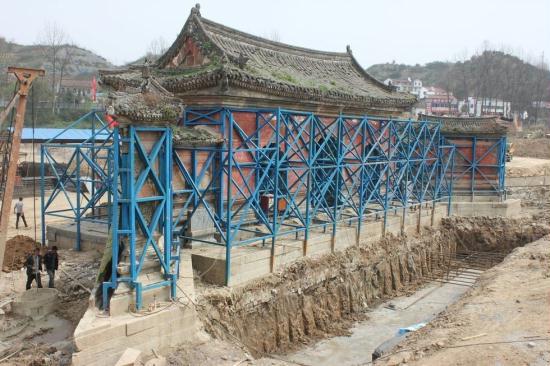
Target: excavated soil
{"points": [[318, 298], [17, 250], [496, 234], [75, 279], [503, 320]]}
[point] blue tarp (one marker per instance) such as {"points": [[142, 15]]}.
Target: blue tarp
{"points": [[44, 134]]}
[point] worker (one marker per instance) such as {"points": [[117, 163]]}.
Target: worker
{"points": [[18, 210], [34, 267], [51, 262]]}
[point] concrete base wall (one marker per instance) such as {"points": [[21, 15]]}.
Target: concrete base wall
{"points": [[253, 261], [93, 236], [506, 208], [101, 339]]}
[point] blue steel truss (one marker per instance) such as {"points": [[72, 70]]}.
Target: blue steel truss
{"points": [[82, 182], [142, 208], [123, 182], [325, 170]]}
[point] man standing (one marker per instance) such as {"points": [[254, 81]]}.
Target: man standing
{"points": [[51, 263], [34, 267], [18, 210]]}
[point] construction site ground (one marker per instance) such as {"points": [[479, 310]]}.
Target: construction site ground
{"points": [[498, 321], [32, 209], [531, 147], [527, 167]]}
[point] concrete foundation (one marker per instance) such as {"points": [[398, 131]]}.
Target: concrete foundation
{"points": [[486, 207], [93, 236], [253, 261], [36, 303]]}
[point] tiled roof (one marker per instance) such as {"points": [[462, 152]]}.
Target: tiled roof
{"points": [[237, 59], [467, 125]]}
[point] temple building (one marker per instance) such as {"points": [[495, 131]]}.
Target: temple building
{"points": [[210, 64]]}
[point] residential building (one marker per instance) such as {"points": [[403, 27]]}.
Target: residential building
{"points": [[489, 107], [407, 86], [78, 87], [440, 102]]}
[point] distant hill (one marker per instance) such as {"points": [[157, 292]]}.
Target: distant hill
{"points": [[491, 74], [83, 61]]}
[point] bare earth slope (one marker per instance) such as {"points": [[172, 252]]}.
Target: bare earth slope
{"points": [[527, 167], [504, 320]]}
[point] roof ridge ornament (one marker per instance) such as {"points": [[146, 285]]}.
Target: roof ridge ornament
{"points": [[196, 10], [348, 49]]}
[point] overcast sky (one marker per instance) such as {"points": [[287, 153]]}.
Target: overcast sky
{"points": [[403, 31]]}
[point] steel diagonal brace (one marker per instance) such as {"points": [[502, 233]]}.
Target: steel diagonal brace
{"points": [[149, 159]]}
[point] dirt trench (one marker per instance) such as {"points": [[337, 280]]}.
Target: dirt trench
{"points": [[319, 298]]}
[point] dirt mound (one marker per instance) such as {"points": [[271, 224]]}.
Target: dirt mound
{"points": [[17, 250]]}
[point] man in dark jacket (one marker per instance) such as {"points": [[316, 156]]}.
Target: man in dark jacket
{"points": [[34, 267], [51, 262]]}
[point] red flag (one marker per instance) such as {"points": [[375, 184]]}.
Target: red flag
{"points": [[111, 122], [94, 89]]}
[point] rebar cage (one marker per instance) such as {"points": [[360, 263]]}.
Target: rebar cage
{"points": [[283, 172]]}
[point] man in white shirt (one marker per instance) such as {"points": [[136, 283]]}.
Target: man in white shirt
{"points": [[18, 210]]}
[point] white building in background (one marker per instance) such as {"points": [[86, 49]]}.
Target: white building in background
{"points": [[407, 86], [489, 106]]}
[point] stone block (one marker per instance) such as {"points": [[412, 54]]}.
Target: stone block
{"points": [[130, 357], [36, 303]]}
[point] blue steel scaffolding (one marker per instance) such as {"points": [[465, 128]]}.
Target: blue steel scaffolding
{"points": [[142, 209], [86, 173], [279, 173], [324, 170], [124, 183]]}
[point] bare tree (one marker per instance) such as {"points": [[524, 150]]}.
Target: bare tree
{"points": [[58, 53], [5, 60], [541, 82], [65, 60], [157, 47], [52, 40], [273, 36]]}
